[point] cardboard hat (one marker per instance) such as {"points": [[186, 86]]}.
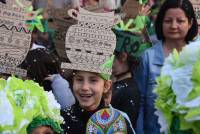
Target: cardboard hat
{"points": [[15, 38], [196, 6], [106, 121], [131, 8], [61, 21], [130, 43], [90, 43]]}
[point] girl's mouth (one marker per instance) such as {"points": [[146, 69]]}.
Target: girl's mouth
{"points": [[86, 95]]}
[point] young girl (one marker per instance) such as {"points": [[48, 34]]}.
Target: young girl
{"points": [[43, 126], [44, 68], [91, 60], [89, 89]]}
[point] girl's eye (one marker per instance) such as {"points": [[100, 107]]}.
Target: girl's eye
{"points": [[93, 80]]}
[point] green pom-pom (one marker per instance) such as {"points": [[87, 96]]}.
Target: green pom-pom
{"points": [[39, 121]]}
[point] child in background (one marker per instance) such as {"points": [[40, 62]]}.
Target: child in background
{"points": [[126, 95], [43, 126], [44, 68]]}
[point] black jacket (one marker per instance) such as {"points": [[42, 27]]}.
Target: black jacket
{"points": [[76, 119], [126, 98]]}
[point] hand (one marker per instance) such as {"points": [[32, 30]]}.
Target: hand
{"points": [[50, 77], [145, 10]]}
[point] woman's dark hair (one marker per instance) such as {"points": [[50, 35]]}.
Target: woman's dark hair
{"points": [[187, 7]]}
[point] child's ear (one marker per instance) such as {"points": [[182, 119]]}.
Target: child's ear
{"points": [[107, 86]]}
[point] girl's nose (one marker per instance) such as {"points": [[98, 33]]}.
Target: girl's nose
{"points": [[85, 85]]}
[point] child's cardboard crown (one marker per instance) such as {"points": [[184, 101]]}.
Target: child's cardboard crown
{"points": [[90, 43], [196, 6], [15, 38], [132, 44]]}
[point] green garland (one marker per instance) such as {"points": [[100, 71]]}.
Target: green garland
{"points": [[39, 121], [107, 65], [22, 101], [178, 91]]}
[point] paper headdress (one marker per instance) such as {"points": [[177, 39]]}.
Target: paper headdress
{"points": [[130, 43], [106, 121], [61, 22], [24, 103], [15, 38], [91, 42], [196, 6]]}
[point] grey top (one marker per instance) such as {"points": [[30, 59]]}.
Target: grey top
{"points": [[62, 92]]}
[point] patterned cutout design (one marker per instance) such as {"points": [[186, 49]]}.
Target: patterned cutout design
{"points": [[61, 22], [196, 6], [91, 42], [15, 38], [106, 121]]}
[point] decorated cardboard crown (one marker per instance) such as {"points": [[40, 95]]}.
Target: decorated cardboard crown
{"points": [[90, 43], [15, 38], [132, 35], [130, 43], [61, 22], [196, 6], [131, 8], [106, 121]]}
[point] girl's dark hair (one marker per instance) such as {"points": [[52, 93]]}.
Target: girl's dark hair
{"points": [[39, 63], [133, 62], [187, 7]]}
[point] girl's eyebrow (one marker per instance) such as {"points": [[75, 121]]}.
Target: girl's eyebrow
{"points": [[94, 77], [77, 75]]}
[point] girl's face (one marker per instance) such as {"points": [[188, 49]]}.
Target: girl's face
{"points": [[175, 24], [89, 88]]}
